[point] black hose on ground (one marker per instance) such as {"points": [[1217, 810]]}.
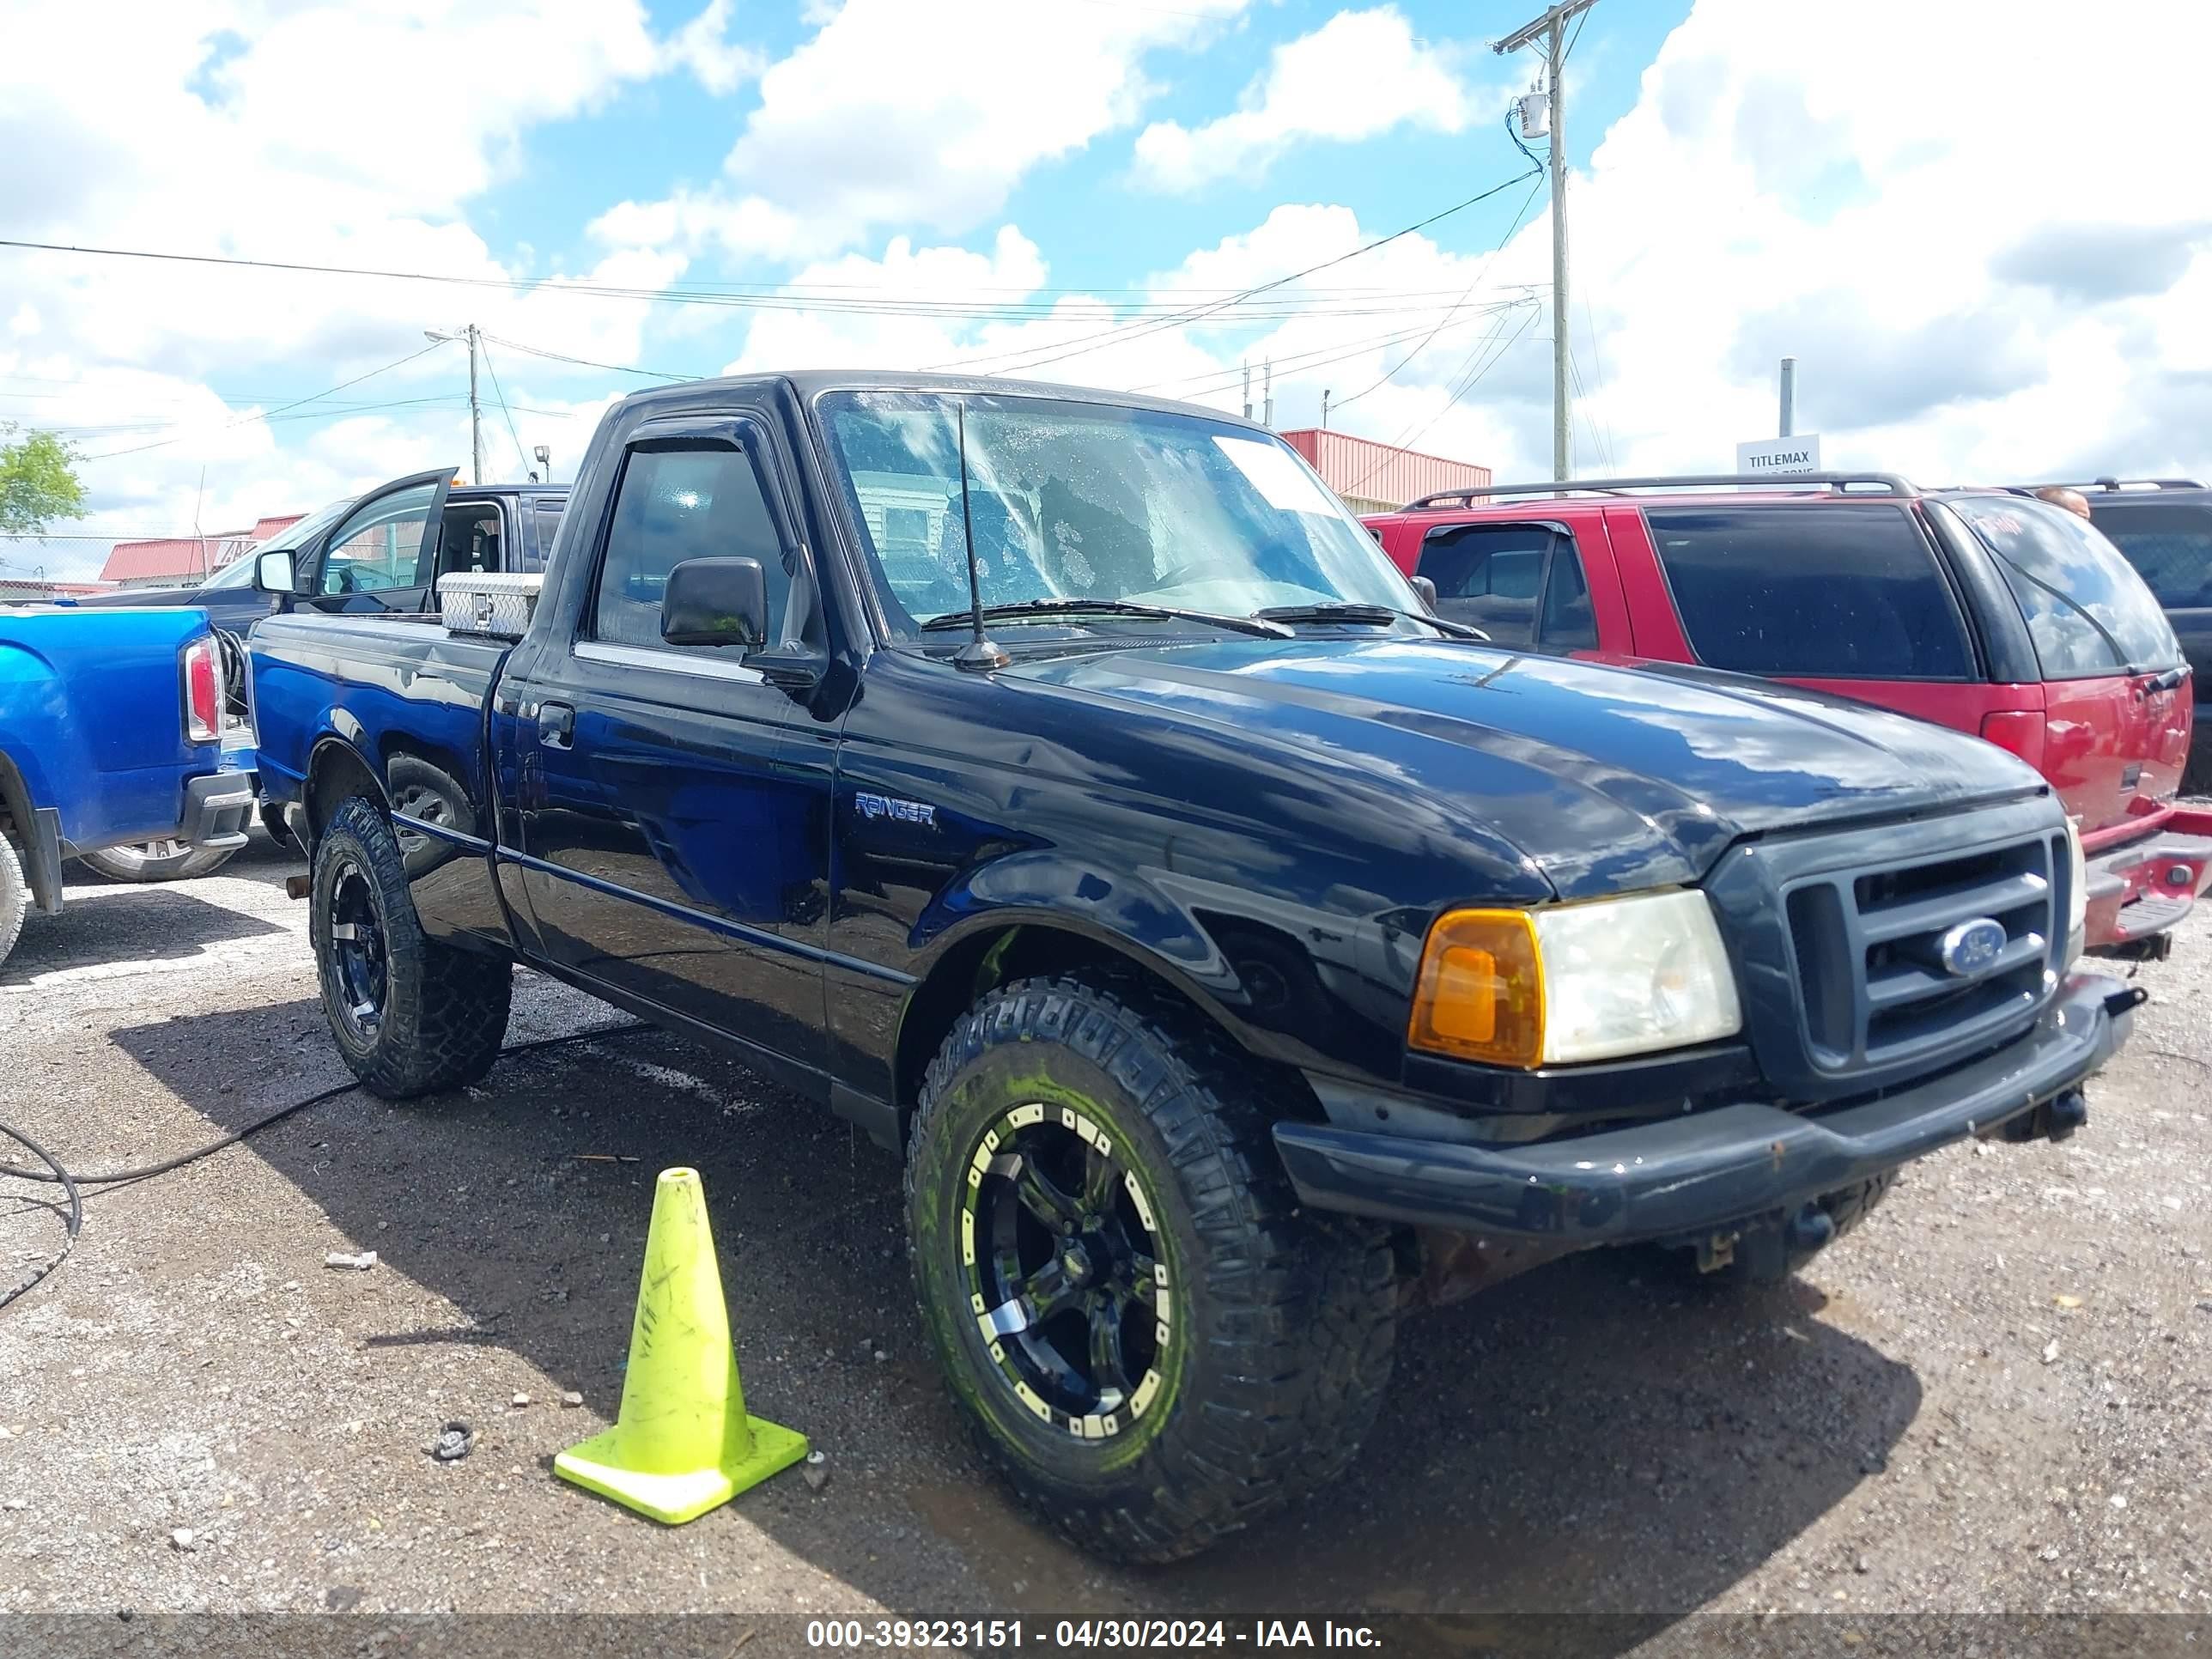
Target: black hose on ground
{"points": [[69, 1182], [72, 1225]]}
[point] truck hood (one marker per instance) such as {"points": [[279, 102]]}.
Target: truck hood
{"points": [[1605, 778]]}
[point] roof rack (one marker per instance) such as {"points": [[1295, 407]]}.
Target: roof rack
{"points": [[1887, 483], [2130, 484]]}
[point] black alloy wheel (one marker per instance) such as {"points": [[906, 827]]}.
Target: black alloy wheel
{"points": [[1070, 1279], [357, 965]]}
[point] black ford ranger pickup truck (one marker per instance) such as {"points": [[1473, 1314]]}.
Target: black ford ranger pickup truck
{"points": [[1066, 787]]}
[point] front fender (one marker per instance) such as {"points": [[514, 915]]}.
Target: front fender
{"points": [[1309, 988]]}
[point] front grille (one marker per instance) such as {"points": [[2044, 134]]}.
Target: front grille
{"points": [[1866, 945]]}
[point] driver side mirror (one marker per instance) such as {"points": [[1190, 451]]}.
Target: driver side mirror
{"points": [[1427, 590], [272, 572], [715, 602]]}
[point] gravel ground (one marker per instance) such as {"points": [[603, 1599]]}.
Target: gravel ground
{"points": [[1994, 1396]]}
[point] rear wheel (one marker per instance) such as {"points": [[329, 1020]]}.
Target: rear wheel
{"points": [[1150, 1341], [157, 860], [410, 1015], [14, 894]]}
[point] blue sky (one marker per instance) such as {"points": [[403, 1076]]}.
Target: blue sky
{"points": [[1098, 230], [1039, 186]]}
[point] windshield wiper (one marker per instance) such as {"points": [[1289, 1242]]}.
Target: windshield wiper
{"points": [[1023, 608], [1351, 610]]}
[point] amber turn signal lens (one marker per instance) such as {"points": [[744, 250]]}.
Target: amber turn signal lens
{"points": [[1480, 996]]}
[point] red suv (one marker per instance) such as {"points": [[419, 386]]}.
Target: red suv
{"points": [[1976, 609]]}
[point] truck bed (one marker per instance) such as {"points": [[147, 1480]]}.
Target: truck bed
{"points": [[394, 685]]}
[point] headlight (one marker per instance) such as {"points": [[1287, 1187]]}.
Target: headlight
{"points": [[2077, 892], [1577, 983]]}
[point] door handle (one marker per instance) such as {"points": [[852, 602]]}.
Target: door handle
{"points": [[556, 724]]}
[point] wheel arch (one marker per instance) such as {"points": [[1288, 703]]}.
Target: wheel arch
{"points": [[19, 814], [1005, 945], [335, 771]]}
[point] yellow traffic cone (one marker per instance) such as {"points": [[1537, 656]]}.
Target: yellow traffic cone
{"points": [[683, 1444]]}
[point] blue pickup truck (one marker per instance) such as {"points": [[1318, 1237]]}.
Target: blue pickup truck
{"points": [[111, 735], [1067, 788]]}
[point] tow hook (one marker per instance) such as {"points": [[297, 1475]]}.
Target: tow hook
{"points": [[2055, 1119], [1767, 1253], [2064, 1115], [2126, 999], [1809, 1230]]}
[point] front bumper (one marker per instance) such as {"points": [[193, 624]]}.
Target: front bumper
{"points": [[1675, 1176], [217, 808]]}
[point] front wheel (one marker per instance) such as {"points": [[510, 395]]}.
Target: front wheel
{"points": [[411, 1015], [157, 860], [1150, 1341]]}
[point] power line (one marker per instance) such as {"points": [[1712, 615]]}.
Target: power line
{"points": [[1468, 384], [1215, 379], [617, 368], [1391, 374], [499, 393], [1198, 313], [1035, 303], [110, 454]]}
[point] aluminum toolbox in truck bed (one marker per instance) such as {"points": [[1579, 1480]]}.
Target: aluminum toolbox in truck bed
{"points": [[491, 605]]}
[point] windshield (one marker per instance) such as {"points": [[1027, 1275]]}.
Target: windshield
{"points": [[238, 572], [2088, 611], [1074, 501]]}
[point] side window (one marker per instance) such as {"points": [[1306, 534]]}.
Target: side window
{"points": [[2168, 542], [1488, 576], [380, 547], [545, 519], [1846, 590], [1568, 623], [2088, 611], [471, 540], [674, 505]]}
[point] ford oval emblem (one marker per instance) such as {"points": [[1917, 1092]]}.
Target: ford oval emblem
{"points": [[1971, 947]]}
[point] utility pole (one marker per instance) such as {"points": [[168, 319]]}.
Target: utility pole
{"points": [[1324, 409], [1551, 28], [1789, 397], [1247, 388], [471, 334], [1267, 392]]}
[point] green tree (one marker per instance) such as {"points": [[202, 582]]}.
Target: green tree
{"points": [[37, 482]]}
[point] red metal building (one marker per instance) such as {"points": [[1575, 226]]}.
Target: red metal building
{"points": [[1374, 477], [180, 559]]}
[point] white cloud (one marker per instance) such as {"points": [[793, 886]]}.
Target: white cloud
{"points": [[950, 278], [1359, 75], [330, 134], [888, 118], [702, 46], [1971, 287]]}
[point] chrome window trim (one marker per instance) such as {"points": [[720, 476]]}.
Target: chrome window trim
{"points": [[667, 662]]}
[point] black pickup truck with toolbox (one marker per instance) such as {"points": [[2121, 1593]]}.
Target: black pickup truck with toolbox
{"points": [[1064, 788]]}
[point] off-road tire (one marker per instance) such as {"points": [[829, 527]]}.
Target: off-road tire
{"points": [[1285, 1319], [444, 1013], [140, 864], [14, 894]]}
